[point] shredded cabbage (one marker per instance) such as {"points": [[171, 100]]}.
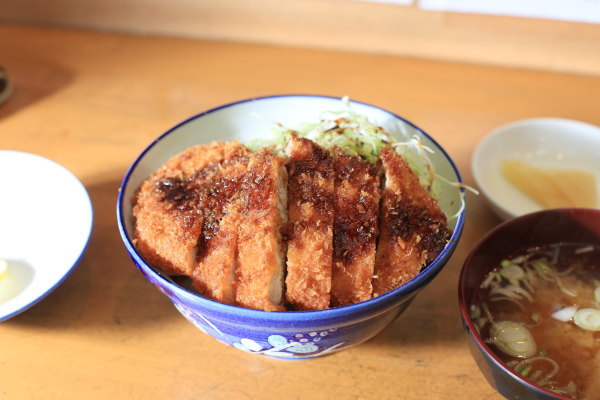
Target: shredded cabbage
{"points": [[350, 131]]}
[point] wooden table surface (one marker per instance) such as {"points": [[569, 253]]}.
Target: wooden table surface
{"points": [[92, 101]]}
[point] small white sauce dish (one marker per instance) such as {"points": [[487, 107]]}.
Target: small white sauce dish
{"points": [[545, 142], [46, 221]]}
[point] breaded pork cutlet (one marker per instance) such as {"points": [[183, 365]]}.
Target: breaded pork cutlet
{"points": [[197, 158], [214, 273], [356, 208], [413, 227], [310, 237], [168, 223], [168, 210], [261, 251]]}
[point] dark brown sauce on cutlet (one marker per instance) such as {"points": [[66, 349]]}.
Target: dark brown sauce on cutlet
{"points": [[222, 193], [407, 221], [177, 193], [208, 191], [180, 198], [315, 166], [258, 184], [308, 192], [312, 158], [356, 223], [351, 240], [219, 194]]}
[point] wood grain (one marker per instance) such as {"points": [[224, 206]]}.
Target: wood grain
{"points": [[345, 25], [94, 101]]}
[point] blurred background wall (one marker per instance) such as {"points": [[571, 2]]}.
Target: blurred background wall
{"points": [[417, 28]]}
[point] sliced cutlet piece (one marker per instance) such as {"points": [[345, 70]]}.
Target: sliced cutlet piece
{"points": [[413, 227], [310, 237], [168, 210], [168, 223], [261, 251], [356, 209], [214, 273]]}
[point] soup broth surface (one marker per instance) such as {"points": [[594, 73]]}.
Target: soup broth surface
{"points": [[534, 313]]}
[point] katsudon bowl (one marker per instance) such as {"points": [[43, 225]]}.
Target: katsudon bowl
{"points": [[287, 334]]}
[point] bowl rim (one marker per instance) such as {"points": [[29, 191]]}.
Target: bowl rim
{"points": [[381, 302], [477, 160], [462, 300]]}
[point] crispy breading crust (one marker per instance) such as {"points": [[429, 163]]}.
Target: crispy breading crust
{"points": [[217, 214], [261, 251], [214, 272], [310, 206], [356, 208], [165, 236], [213, 213], [168, 208], [197, 158], [413, 227]]}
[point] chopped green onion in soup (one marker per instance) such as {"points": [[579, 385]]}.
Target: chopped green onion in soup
{"points": [[588, 319], [512, 272], [542, 316], [565, 314], [513, 338]]}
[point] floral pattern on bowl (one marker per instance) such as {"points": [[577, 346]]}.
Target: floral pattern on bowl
{"points": [[305, 344], [299, 344]]}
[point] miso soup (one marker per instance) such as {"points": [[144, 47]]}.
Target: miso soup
{"points": [[539, 311]]}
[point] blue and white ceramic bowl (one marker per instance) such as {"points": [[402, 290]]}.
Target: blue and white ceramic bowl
{"points": [[290, 334]]}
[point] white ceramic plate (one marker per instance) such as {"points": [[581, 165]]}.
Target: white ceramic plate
{"points": [[45, 224], [548, 142]]}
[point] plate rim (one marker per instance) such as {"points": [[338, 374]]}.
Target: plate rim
{"points": [[87, 203]]}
